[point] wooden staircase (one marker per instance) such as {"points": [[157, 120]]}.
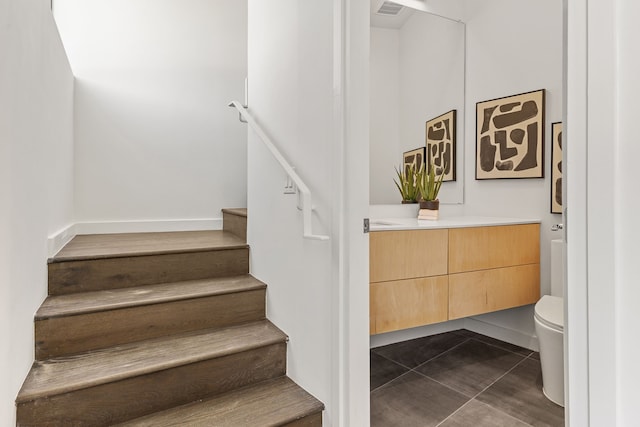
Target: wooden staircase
{"points": [[160, 329]]}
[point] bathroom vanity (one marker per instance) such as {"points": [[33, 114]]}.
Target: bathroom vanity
{"points": [[424, 272]]}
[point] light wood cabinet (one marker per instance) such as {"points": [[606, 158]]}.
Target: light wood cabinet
{"points": [[420, 277], [407, 254], [484, 291], [401, 304], [481, 248]]}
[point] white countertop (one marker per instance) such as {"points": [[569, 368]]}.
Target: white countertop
{"points": [[386, 224]]}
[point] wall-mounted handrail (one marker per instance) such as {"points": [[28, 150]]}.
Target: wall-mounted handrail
{"points": [[301, 186]]}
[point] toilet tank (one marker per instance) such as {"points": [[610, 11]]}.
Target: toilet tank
{"points": [[557, 267]]}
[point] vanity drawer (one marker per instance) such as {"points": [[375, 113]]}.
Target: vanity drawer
{"points": [[481, 248], [484, 291], [408, 303], [396, 255]]}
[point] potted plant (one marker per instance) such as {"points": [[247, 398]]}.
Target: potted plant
{"points": [[428, 186], [407, 184]]}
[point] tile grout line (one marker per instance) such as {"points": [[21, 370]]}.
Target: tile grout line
{"points": [[524, 357], [502, 348], [441, 354], [502, 376], [442, 384], [428, 360], [414, 369], [481, 342], [468, 338], [485, 389], [475, 337], [454, 412], [389, 382], [531, 357], [391, 360], [485, 404]]}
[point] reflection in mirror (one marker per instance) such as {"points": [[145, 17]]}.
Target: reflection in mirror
{"points": [[416, 75]]}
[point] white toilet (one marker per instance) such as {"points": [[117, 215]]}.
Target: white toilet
{"points": [[549, 320]]}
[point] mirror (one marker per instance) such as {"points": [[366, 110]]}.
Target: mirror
{"points": [[417, 68]]}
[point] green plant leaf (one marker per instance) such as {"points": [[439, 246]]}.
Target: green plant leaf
{"points": [[407, 183], [429, 184]]}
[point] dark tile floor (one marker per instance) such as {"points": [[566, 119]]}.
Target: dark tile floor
{"points": [[458, 379]]}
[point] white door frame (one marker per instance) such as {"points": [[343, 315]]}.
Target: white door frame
{"points": [[575, 219], [351, 106], [590, 117]]}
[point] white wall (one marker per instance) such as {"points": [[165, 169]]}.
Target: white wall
{"points": [[603, 143], [154, 137], [627, 233], [36, 176], [290, 76]]}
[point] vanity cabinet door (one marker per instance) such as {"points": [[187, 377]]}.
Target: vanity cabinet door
{"points": [[396, 255], [485, 291], [408, 303], [482, 248], [493, 268]]}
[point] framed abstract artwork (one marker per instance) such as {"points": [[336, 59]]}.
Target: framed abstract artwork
{"points": [[413, 157], [556, 168], [441, 144], [510, 137]]}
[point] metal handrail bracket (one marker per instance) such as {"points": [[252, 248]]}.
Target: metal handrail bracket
{"points": [[301, 186]]}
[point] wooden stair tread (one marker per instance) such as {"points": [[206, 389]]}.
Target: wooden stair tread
{"points": [[61, 375], [269, 403], [236, 211], [99, 246], [91, 302]]}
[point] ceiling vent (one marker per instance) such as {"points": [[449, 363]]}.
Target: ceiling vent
{"points": [[389, 8]]}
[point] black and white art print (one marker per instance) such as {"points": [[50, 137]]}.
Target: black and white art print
{"points": [[441, 145], [556, 168], [415, 158], [510, 137]]}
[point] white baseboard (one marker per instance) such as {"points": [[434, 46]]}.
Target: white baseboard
{"points": [[61, 238], [148, 226], [501, 333], [419, 332], [57, 241], [494, 331]]}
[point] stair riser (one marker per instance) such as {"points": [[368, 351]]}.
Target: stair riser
{"points": [[115, 402], [277, 402], [75, 334], [235, 224], [110, 273]]}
